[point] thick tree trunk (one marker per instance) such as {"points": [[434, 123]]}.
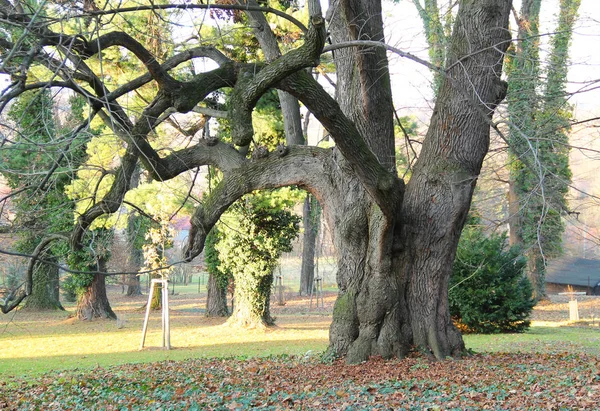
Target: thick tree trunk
{"points": [[393, 273], [367, 316], [45, 290], [134, 286], [252, 297], [94, 302], [310, 220], [216, 299]]}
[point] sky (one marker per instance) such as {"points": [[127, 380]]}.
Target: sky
{"points": [[411, 81]]}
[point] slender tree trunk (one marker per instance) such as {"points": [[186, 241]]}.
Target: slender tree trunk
{"points": [[216, 300], [156, 302], [311, 226], [134, 286], [514, 225], [536, 268], [45, 291], [523, 103], [94, 302], [136, 256]]}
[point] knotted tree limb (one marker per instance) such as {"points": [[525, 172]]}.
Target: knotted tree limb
{"points": [[306, 167], [385, 188], [251, 86]]}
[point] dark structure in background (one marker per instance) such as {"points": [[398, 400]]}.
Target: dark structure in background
{"points": [[579, 273]]}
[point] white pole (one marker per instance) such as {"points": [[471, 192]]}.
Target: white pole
{"points": [[166, 310], [145, 328], [163, 322]]}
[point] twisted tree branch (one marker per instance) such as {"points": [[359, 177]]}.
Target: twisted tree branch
{"points": [[306, 167]]}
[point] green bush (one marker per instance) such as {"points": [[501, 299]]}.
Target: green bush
{"points": [[488, 291]]}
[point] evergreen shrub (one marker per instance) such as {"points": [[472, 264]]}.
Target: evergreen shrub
{"points": [[488, 291]]}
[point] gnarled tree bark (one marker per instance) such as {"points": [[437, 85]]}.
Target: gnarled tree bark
{"points": [[395, 243]]}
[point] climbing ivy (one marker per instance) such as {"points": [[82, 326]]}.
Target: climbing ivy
{"points": [[538, 136], [256, 231]]}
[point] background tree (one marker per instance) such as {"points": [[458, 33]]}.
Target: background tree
{"points": [[97, 173], [539, 142], [90, 287], [41, 205], [247, 252], [135, 228], [218, 280], [92, 181], [295, 133], [254, 233], [311, 219], [539, 122]]}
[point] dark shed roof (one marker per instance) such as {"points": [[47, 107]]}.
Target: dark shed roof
{"points": [[574, 271]]}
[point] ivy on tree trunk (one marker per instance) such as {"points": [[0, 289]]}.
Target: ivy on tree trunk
{"points": [[45, 290], [538, 146]]}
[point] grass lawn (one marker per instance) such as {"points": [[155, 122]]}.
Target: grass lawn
{"points": [[98, 363], [34, 342]]}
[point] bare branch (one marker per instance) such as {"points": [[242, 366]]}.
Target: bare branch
{"points": [[380, 44], [246, 7]]}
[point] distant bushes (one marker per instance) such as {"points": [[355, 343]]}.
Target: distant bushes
{"points": [[488, 291]]}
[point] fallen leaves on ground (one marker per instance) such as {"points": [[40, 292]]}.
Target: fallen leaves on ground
{"points": [[483, 381]]}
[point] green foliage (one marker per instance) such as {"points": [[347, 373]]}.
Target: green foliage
{"points": [[437, 26], [86, 259], [15, 275], [42, 206], [488, 292], [257, 229], [75, 285], [404, 129]]}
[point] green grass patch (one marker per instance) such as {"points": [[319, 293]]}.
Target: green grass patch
{"points": [[37, 346], [539, 339]]}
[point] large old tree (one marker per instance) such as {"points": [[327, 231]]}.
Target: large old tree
{"points": [[396, 241]]}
